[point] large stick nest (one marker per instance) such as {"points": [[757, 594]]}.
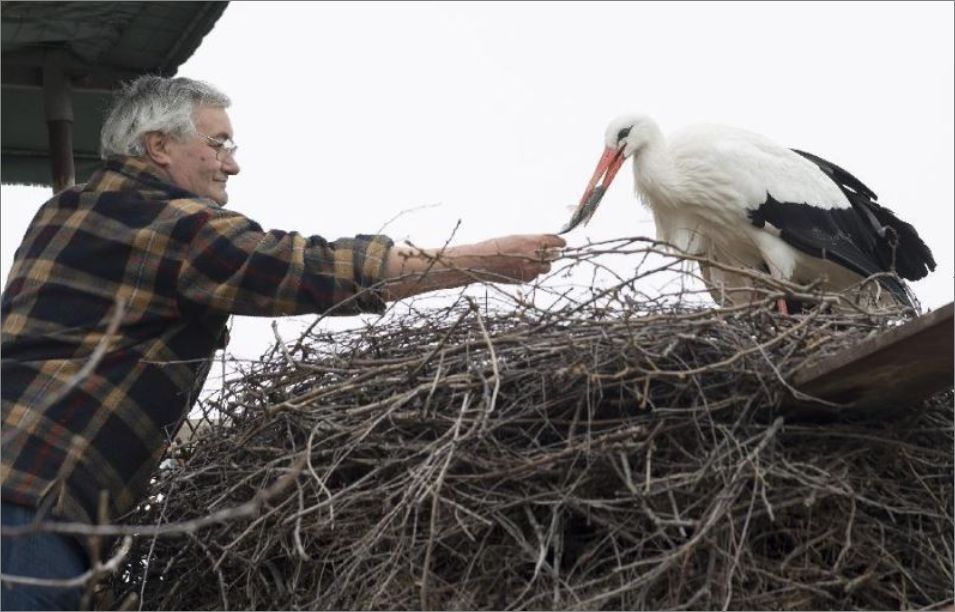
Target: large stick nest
{"points": [[615, 452]]}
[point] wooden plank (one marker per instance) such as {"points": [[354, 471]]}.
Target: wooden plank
{"points": [[894, 369]]}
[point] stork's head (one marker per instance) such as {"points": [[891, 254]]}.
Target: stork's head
{"points": [[625, 136], [630, 134]]}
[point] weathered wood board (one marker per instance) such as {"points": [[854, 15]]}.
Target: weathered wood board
{"points": [[903, 365]]}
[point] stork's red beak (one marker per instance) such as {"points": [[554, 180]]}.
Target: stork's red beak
{"points": [[606, 170]]}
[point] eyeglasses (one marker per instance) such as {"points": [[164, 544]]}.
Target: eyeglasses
{"points": [[225, 149]]}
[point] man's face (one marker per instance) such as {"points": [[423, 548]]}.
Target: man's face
{"points": [[194, 163]]}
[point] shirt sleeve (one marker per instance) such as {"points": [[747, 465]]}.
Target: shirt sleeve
{"points": [[230, 265]]}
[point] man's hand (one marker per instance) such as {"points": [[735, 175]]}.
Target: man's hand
{"points": [[509, 259]]}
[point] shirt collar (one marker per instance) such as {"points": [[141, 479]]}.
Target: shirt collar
{"points": [[125, 172]]}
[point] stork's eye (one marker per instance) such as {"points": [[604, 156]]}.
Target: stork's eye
{"points": [[623, 133]]}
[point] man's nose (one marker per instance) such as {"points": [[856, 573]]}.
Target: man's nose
{"points": [[230, 166]]}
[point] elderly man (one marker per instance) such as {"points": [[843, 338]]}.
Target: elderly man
{"points": [[147, 247]]}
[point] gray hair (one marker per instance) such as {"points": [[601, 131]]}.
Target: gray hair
{"points": [[154, 104]]}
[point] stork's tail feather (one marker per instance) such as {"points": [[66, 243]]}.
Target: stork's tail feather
{"points": [[901, 248]]}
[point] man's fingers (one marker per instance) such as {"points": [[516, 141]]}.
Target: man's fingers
{"points": [[551, 247], [554, 241], [551, 253], [521, 258], [535, 270]]}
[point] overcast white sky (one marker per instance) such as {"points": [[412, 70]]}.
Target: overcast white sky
{"points": [[348, 113]]}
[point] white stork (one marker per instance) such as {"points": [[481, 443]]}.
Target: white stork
{"points": [[737, 198]]}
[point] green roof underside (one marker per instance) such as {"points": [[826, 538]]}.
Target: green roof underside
{"points": [[99, 45]]}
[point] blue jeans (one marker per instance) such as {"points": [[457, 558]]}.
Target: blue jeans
{"points": [[38, 555]]}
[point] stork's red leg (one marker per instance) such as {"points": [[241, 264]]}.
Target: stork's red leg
{"points": [[781, 304]]}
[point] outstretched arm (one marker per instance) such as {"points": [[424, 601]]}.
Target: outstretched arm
{"points": [[510, 259]]}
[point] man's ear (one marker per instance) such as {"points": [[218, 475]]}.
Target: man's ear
{"points": [[157, 148]]}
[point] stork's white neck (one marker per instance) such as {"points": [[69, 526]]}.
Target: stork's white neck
{"points": [[662, 186], [654, 172]]}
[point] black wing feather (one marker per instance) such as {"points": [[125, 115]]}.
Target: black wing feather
{"points": [[839, 235], [896, 243], [865, 238]]}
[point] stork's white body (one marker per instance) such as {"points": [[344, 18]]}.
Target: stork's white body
{"points": [[700, 187]]}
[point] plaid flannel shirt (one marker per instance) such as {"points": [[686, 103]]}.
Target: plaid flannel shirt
{"points": [[181, 265]]}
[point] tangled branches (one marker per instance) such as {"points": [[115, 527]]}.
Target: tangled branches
{"points": [[612, 452]]}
